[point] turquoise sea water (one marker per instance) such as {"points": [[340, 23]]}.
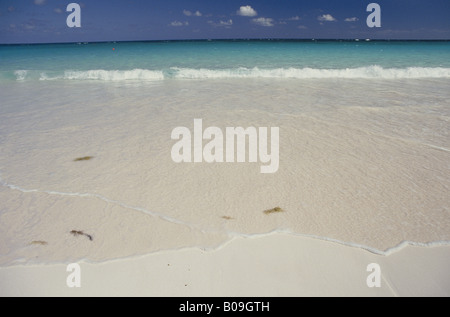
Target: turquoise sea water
{"points": [[225, 59]]}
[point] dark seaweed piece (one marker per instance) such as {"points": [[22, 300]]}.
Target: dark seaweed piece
{"points": [[81, 233], [84, 158], [39, 242], [273, 210]]}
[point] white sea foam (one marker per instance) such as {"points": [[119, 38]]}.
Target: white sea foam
{"points": [[108, 75], [20, 74], [108, 200], [369, 72]]}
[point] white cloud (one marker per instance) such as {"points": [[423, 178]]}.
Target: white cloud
{"points": [[58, 10], [326, 18], [296, 18], [189, 13], [354, 19], [247, 11], [263, 21], [226, 24], [39, 2], [178, 23], [302, 27], [29, 26]]}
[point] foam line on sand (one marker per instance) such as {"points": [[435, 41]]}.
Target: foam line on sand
{"points": [[272, 265], [232, 234]]}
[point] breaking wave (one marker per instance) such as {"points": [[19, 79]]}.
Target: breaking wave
{"points": [[369, 72], [307, 73]]}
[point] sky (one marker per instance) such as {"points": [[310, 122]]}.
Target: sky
{"points": [[44, 21]]}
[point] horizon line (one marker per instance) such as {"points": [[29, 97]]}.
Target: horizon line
{"points": [[239, 40]]}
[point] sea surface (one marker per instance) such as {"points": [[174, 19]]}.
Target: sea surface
{"points": [[225, 59]]}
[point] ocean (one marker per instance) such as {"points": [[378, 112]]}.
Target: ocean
{"points": [[363, 145], [225, 59]]}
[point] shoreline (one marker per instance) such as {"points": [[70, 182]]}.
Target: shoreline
{"points": [[224, 237], [273, 265], [235, 236]]}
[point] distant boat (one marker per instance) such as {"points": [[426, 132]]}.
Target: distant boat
{"points": [[367, 40], [356, 40]]}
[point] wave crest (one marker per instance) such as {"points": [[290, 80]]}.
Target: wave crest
{"points": [[108, 75], [368, 72], [20, 74]]}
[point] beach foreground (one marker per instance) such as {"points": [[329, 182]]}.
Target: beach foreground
{"points": [[87, 177], [367, 167], [272, 265]]}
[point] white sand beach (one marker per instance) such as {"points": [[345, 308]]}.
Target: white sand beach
{"points": [[273, 265]]}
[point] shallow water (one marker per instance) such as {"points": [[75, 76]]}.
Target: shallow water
{"points": [[363, 162]]}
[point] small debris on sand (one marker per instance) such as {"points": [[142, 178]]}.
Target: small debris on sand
{"points": [[84, 158], [81, 233], [273, 210], [39, 242]]}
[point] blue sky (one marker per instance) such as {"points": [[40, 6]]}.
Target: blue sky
{"points": [[44, 21]]}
